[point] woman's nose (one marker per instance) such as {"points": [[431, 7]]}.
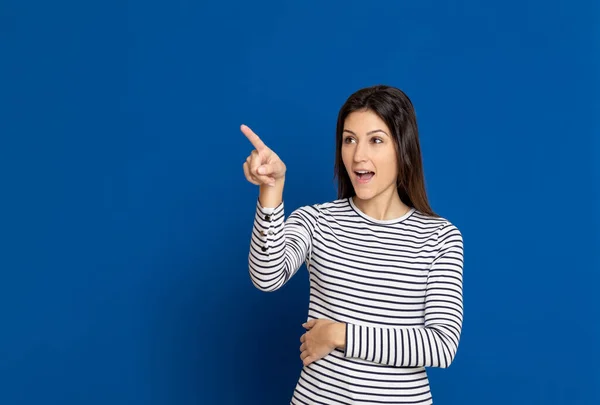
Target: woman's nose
{"points": [[360, 153]]}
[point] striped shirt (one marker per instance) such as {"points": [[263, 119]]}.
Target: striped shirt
{"points": [[397, 284]]}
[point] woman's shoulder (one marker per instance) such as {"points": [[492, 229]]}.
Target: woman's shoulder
{"points": [[440, 225], [327, 208], [432, 220]]}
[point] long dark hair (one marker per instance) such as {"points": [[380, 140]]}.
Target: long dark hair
{"points": [[397, 111]]}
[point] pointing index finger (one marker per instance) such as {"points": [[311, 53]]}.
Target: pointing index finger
{"points": [[253, 138]]}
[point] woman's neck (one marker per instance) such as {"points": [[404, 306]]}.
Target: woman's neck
{"points": [[382, 207]]}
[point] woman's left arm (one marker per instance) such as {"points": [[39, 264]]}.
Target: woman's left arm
{"points": [[433, 345]]}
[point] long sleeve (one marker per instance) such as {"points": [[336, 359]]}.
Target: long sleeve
{"points": [[278, 247], [435, 344]]}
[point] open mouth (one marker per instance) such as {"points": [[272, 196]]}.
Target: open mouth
{"points": [[364, 176]]}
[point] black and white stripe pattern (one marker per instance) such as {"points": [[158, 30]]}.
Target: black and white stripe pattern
{"points": [[396, 284]]}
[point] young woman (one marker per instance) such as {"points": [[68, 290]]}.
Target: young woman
{"points": [[385, 270]]}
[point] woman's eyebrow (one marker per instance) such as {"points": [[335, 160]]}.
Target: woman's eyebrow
{"points": [[370, 132]]}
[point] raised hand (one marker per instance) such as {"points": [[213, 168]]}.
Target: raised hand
{"points": [[262, 166]]}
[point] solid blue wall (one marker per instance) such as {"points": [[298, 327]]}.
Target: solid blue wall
{"points": [[126, 217]]}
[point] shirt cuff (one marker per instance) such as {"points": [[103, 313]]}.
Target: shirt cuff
{"points": [[269, 223], [349, 352]]}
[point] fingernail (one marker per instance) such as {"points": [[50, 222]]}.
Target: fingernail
{"points": [[261, 170]]}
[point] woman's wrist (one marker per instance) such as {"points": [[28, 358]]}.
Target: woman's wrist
{"points": [[339, 335], [271, 196]]}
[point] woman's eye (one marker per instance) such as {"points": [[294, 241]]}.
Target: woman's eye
{"points": [[347, 139], [377, 140]]}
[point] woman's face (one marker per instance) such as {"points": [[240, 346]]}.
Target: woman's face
{"points": [[369, 154]]}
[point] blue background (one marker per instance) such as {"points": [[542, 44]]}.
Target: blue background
{"points": [[125, 216]]}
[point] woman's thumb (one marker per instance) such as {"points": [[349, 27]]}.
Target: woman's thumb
{"points": [[269, 169], [309, 324]]}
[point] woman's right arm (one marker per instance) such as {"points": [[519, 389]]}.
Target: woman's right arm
{"points": [[278, 247]]}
